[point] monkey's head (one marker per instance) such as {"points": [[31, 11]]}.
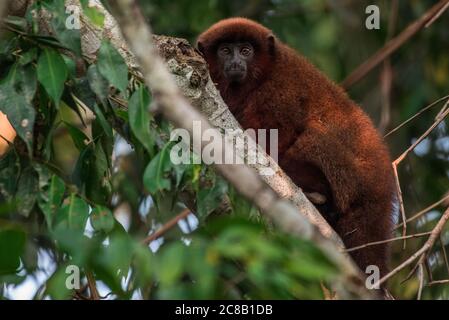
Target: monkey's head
{"points": [[238, 51]]}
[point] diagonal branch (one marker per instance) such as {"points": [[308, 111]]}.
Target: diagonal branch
{"points": [[424, 21], [170, 224], [416, 115], [424, 211], [94, 295], [375, 243]]}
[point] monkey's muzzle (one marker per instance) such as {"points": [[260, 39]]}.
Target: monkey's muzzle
{"points": [[236, 73]]}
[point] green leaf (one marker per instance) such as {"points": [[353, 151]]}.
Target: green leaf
{"points": [[143, 262], [70, 64], [103, 122], [12, 244], [7, 46], [139, 118], [70, 241], [74, 214], [20, 112], [112, 66], [98, 186], [28, 57], [310, 269], [16, 22], [50, 198], [48, 149], [27, 191], [26, 82], [92, 172], [56, 286], [48, 41], [52, 73], [209, 199], [114, 260], [83, 164], [82, 90], [93, 13], [9, 174], [171, 264], [155, 177], [102, 219], [79, 137], [180, 171], [65, 25], [97, 83], [16, 93]]}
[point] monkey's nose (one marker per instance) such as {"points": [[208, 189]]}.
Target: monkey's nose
{"points": [[236, 67]]}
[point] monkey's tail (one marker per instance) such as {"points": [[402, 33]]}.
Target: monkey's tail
{"points": [[360, 227]]}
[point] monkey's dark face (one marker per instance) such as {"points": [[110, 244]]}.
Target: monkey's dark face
{"points": [[234, 59]]}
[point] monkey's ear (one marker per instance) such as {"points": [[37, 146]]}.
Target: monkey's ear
{"points": [[271, 39]]}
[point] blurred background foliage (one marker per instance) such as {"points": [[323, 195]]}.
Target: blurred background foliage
{"points": [[124, 188]]}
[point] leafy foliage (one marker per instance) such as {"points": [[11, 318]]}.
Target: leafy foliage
{"points": [[52, 73]]}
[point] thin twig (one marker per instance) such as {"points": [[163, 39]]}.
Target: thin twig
{"points": [[421, 281], [424, 211], [445, 281], [443, 248], [386, 82], [92, 286], [401, 201], [437, 121], [78, 294], [435, 17], [423, 251], [170, 224], [412, 272], [416, 115], [416, 235], [386, 78], [428, 270], [395, 43], [398, 160], [107, 295]]}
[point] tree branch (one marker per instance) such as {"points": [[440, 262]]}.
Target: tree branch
{"points": [[170, 224], [94, 295], [3, 7], [422, 22]]}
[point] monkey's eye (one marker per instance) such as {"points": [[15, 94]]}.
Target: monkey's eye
{"points": [[225, 50], [245, 51]]}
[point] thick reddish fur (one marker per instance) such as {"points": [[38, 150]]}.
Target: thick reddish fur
{"points": [[327, 144]]}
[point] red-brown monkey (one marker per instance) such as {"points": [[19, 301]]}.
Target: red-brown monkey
{"points": [[327, 144]]}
